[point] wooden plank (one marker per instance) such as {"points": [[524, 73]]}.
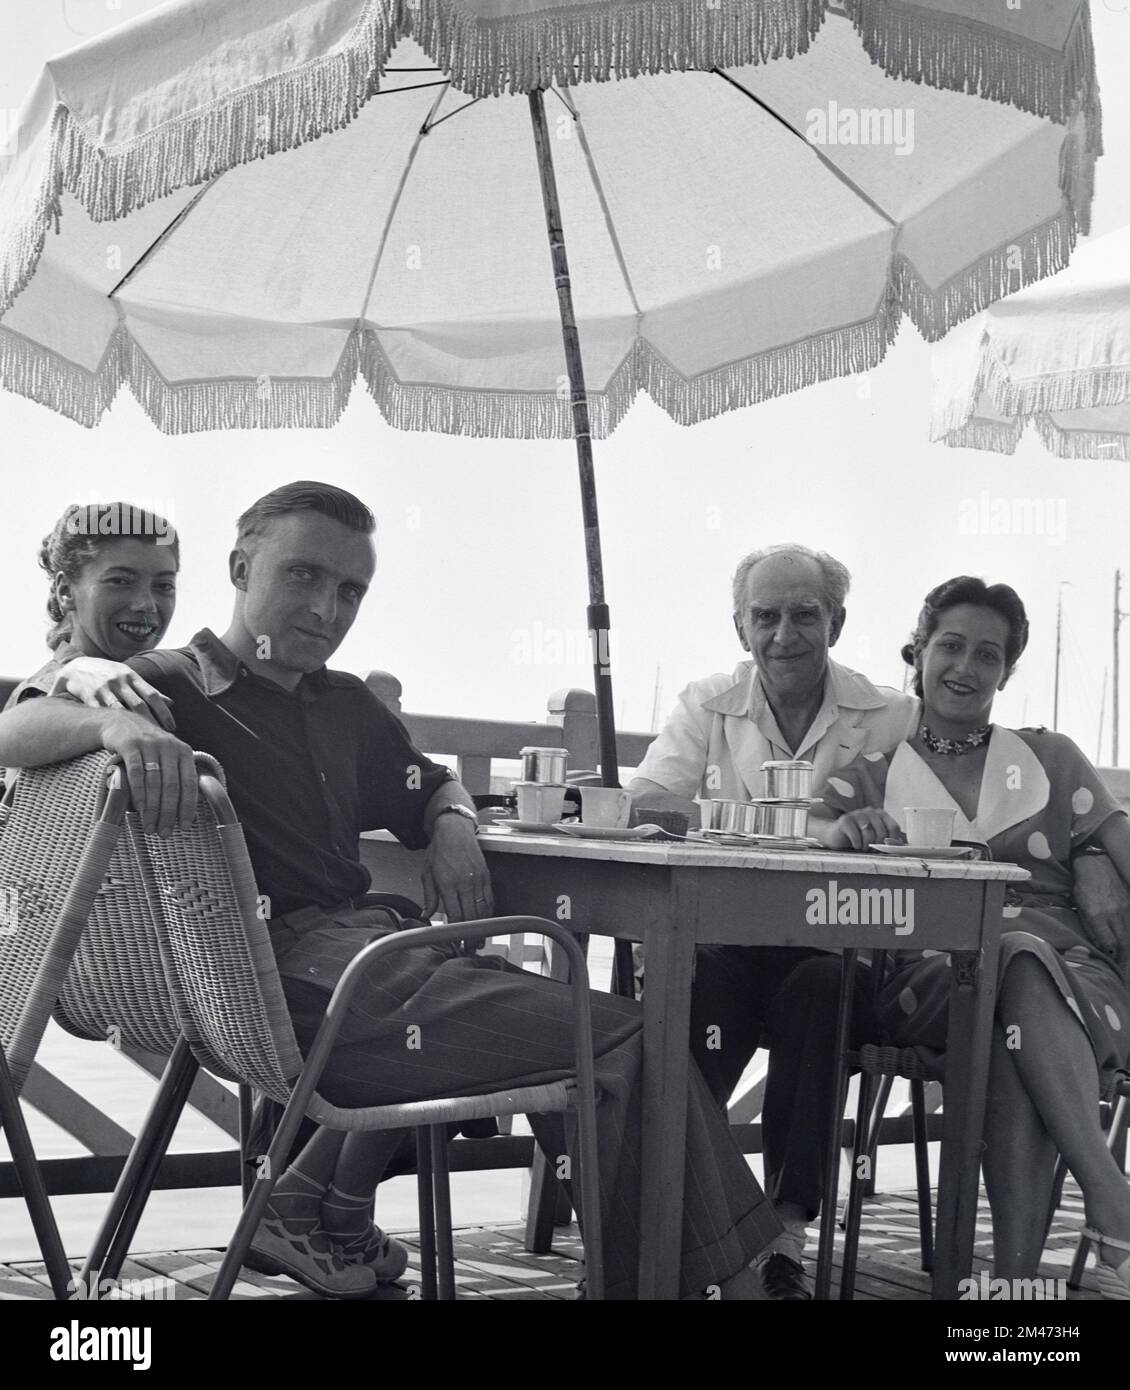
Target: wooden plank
{"points": [[72, 1112], [470, 1284], [69, 1176], [496, 1277], [197, 1270], [132, 1272], [495, 738], [482, 1248], [15, 1285]]}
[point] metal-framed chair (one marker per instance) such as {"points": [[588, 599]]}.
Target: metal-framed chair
{"points": [[878, 1067], [229, 1001], [59, 831], [1118, 1121]]}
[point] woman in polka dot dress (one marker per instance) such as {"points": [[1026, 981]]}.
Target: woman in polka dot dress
{"points": [[1063, 1009]]}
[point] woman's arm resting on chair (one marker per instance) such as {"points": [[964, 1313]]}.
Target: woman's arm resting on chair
{"points": [[1114, 836], [159, 767]]}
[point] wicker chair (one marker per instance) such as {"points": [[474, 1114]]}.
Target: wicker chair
{"points": [[56, 841], [116, 989], [230, 1004]]}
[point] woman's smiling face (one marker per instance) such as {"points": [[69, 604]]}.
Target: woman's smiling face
{"points": [[964, 664], [123, 600]]}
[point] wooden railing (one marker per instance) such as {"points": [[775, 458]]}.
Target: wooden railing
{"points": [[475, 745], [570, 723]]}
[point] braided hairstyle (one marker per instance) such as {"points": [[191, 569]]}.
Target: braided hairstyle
{"points": [[967, 589], [76, 539]]}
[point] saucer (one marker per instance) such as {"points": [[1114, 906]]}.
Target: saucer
{"points": [[602, 832], [925, 851], [529, 827]]}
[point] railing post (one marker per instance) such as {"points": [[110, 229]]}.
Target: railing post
{"points": [[386, 688], [574, 712]]}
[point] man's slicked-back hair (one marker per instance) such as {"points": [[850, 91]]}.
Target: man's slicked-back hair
{"points": [[305, 496]]}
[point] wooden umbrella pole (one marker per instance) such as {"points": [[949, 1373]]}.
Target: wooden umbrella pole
{"points": [[598, 618]]}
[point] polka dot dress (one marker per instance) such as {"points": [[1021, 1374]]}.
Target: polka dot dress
{"points": [[1040, 916]]}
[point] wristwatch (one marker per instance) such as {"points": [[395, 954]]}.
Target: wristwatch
{"points": [[456, 809]]}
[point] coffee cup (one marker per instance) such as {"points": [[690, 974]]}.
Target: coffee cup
{"points": [[929, 827], [540, 803], [606, 808]]}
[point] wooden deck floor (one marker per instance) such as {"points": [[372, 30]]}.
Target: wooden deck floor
{"points": [[493, 1264]]}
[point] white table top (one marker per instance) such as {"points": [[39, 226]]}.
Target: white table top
{"points": [[675, 853]]}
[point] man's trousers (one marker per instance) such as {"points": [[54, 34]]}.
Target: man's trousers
{"points": [[435, 1022], [746, 997]]}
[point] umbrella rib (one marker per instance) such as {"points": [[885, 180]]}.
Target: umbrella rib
{"points": [[605, 209], [396, 203], [168, 231], [820, 155]]}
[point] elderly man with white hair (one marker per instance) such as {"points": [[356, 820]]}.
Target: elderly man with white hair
{"points": [[790, 700]]}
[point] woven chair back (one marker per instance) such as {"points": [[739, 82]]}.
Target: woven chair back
{"points": [[116, 988], [216, 948], [56, 843]]}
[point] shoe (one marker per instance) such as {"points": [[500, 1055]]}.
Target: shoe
{"points": [[783, 1278], [387, 1258], [1114, 1281], [313, 1260]]}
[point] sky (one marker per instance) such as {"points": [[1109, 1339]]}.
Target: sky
{"points": [[478, 603]]}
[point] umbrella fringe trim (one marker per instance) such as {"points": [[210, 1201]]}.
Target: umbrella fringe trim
{"points": [[1083, 444], [327, 93], [520, 52], [1085, 389], [268, 117], [278, 403], [992, 436], [840, 352], [492, 414], [1040, 252], [960, 54]]}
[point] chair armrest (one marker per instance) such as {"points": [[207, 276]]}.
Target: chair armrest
{"points": [[418, 937]]}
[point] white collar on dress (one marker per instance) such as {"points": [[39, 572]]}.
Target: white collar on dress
{"points": [[1014, 787]]}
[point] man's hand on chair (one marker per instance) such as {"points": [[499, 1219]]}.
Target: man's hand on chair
{"points": [[456, 880], [159, 768]]}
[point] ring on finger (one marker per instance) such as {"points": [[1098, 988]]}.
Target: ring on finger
{"points": [[152, 767]]}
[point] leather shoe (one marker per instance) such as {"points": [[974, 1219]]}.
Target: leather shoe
{"points": [[784, 1279]]}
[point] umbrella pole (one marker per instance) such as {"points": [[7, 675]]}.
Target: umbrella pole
{"points": [[598, 619]]}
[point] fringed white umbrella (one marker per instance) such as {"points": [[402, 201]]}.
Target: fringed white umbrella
{"points": [[736, 227], [1056, 356]]}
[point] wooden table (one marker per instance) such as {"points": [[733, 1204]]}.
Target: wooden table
{"points": [[675, 896]]}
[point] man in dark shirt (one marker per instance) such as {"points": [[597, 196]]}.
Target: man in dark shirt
{"points": [[312, 758]]}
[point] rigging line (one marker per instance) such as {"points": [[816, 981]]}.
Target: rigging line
{"points": [[474, 101], [816, 150], [413, 87], [173, 225]]}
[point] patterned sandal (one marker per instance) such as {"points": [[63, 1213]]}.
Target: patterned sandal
{"points": [[375, 1251], [313, 1259], [1114, 1281]]}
